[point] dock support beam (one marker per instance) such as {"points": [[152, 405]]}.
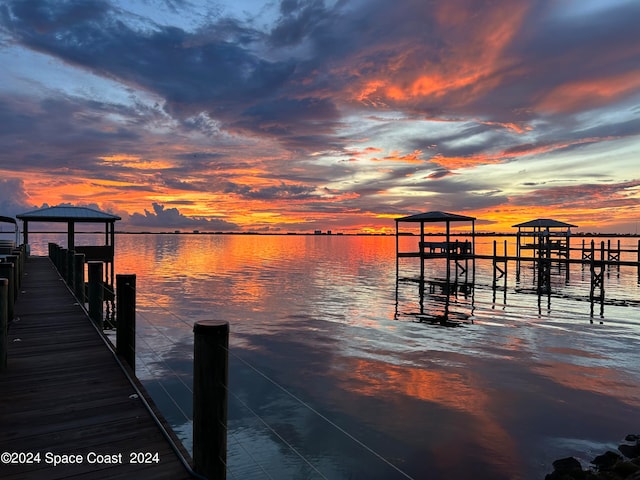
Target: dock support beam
{"points": [[210, 380]]}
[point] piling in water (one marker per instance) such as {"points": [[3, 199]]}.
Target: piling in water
{"points": [[95, 292], [126, 318], [210, 380], [4, 321]]}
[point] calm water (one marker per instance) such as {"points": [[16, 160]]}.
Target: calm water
{"points": [[333, 375]]}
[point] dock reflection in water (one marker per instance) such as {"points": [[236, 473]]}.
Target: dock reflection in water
{"points": [[524, 380]]}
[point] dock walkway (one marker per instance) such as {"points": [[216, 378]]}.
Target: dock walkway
{"points": [[64, 393]]}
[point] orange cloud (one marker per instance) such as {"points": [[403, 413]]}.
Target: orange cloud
{"points": [[458, 163], [134, 161], [470, 61], [413, 157], [593, 92]]}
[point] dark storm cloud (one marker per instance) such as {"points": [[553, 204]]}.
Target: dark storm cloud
{"points": [[212, 70], [64, 135], [58, 133], [191, 71], [279, 117], [215, 68], [13, 198], [162, 217], [299, 21], [585, 196], [279, 192]]}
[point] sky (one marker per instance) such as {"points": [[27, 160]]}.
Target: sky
{"points": [[298, 115]]}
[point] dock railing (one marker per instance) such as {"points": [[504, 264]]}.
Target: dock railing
{"points": [[11, 272]]}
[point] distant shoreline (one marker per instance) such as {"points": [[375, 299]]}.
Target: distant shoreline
{"points": [[336, 234]]}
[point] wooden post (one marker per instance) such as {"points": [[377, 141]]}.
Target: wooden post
{"points": [[210, 379], [56, 257], [601, 276], [71, 254], [506, 275], [20, 264], [95, 292], [421, 249], [4, 323], [126, 318], [78, 276], [592, 269], [62, 263], [16, 274], [495, 260], [6, 271]]}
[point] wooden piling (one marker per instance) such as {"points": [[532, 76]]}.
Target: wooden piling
{"points": [[210, 380], [78, 277], [62, 263], [6, 271], [126, 318], [13, 259], [19, 264], [597, 278], [52, 252], [70, 268], [495, 263], [4, 323], [96, 294], [544, 265]]}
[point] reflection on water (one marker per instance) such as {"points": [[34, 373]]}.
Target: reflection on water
{"points": [[332, 374]]}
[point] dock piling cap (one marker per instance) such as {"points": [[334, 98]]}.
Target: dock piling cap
{"points": [[211, 327]]}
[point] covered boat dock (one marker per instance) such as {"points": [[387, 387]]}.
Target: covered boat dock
{"points": [[446, 249], [544, 236], [71, 216]]}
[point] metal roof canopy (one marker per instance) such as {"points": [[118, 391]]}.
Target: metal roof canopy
{"points": [[70, 216], [437, 216], [544, 223]]}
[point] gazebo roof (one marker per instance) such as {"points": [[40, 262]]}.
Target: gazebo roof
{"points": [[544, 223], [436, 217], [68, 214]]}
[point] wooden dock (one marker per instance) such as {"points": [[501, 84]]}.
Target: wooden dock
{"points": [[64, 393]]}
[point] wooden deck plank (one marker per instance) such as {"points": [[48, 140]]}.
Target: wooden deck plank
{"points": [[63, 391]]}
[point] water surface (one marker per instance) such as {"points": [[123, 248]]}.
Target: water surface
{"points": [[333, 375]]}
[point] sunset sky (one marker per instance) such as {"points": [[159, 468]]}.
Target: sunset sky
{"points": [[296, 115]]}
